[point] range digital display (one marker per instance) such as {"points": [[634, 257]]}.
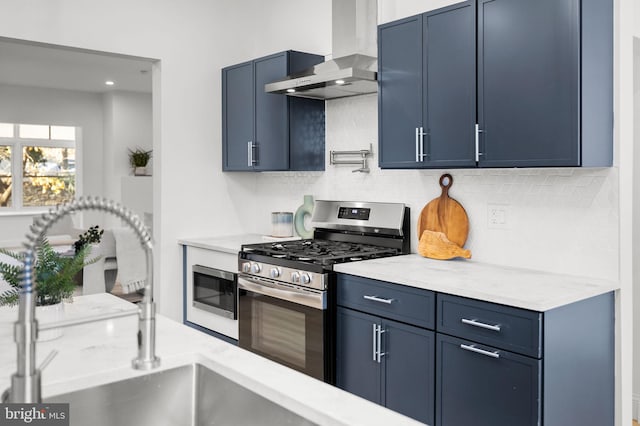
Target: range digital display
{"points": [[355, 213]]}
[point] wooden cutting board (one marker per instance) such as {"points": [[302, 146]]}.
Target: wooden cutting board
{"points": [[446, 215]]}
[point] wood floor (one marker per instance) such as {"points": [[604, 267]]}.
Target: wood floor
{"points": [[636, 423]]}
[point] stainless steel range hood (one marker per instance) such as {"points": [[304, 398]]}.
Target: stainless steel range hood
{"points": [[353, 70]]}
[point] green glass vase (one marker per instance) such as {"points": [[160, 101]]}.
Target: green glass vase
{"points": [[303, 211]]}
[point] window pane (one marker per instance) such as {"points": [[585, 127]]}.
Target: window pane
{"points": [[5, 192], [5, 176], [6, 130], [66, 133], [33, 131], [48, 175], [5, 160]]}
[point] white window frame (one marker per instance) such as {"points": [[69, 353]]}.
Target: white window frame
{"points": [[17, 144]]}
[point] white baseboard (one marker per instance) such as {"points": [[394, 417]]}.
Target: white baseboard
{"points": [[636, 407]]}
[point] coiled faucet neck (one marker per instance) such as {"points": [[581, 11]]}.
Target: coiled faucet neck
{"points": [[25, 383]]}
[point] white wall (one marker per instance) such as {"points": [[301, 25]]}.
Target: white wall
{"points": [[390, 10], [64, 107], [561, 217], [128, 125], [636, 230]]}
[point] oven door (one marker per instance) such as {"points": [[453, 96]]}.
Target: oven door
{"points": [[284, 323], [214, 291]]}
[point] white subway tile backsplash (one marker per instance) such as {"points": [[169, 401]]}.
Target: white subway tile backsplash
{"points": [[560, 219]]}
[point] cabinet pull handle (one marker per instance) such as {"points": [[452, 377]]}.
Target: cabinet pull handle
{"points": [[480, 324], [251, 146], [417, 146], [380, 353], [478, 153], [374, 340], [476, 323], [422, 134], [250, 153], [378, 299], [473, 348]]}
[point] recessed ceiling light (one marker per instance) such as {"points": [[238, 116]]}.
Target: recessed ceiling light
{"points": [[109, 83], [291, 90], [339, 81]]}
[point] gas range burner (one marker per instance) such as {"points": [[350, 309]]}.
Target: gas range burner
{"points": [[318, 251]]}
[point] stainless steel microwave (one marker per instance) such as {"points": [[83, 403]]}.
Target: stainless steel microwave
{"points": [[215, 291]]}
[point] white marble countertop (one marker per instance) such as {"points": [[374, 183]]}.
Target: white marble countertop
{"points": [[101, 352], [231, 243], [522, 288]]}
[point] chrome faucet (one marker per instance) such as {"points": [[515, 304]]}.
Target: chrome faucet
{"points": [[25, 383]]}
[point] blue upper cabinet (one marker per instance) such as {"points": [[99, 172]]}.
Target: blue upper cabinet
{"points": [[263, 131], [399, 92], [500, 83], [427, 89], [529, 82]]}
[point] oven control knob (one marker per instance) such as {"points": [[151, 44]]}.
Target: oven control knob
{"points": [[246, 267], [256, 268], [274, 272], [295, 277], [304, 278]]}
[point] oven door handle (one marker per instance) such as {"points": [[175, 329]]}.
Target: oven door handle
{"points": [[316, 300]]}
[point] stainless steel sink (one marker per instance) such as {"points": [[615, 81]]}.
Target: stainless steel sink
{"points": [[188, 395]]}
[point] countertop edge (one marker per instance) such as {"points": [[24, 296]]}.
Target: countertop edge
{"points": [[486, 282]]}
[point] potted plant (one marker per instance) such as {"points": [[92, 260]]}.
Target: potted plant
{"points": [[54, 280], [91, 236], [138, 159]]}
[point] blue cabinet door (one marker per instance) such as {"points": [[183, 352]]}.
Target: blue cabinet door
{"points": [[357, 370], [400, 92], [409, 367], [484, 386], [271, 115], [427, 94], [237, 116], [529, 82], [449, 36], [264, 131], [401, 378]]}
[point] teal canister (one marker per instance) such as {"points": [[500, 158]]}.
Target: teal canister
{"points": [[303, 211]]}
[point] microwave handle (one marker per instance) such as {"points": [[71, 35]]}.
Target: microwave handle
{"points": [[213, 272], [306, 298]]}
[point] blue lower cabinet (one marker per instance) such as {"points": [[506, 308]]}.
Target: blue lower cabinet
{"points": [[386, 362], [357, 370], [485, 386]]}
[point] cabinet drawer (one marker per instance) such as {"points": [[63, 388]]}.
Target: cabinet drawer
{"points": [[513, 329], [482, 385], [410, 305]]}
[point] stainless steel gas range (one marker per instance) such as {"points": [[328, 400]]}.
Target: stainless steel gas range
{"points": [[287, 289]]}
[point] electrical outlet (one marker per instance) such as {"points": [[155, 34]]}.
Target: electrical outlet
{"points": [[498, 216]]}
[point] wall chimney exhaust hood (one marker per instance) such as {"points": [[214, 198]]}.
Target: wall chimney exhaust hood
{"points": [[353, 70]]}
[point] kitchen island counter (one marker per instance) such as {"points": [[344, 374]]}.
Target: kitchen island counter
{"points": [[522, 288], [101, 352]]}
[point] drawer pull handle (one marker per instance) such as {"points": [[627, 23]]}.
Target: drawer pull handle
{"points": [[480, 324], [473, 348], [378, 299]]}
